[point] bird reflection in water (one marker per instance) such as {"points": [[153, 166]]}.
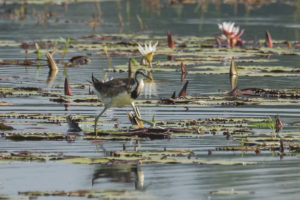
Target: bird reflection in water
{"points": [[121, 173], [150, 87]]}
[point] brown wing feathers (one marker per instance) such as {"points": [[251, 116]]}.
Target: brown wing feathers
{"points": [[113, 87]]}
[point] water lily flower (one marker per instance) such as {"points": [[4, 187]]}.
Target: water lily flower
{"points": [[148, 52], [231, 34]]}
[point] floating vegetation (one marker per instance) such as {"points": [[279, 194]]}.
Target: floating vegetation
{"points": [[154, 160], [239, 97], [45, 118], [230, 192], [187, 50], [265, 142], [205, 101], [240, 129], [4, 127], [45, 123], [28, 156], [20, 91], [176, 156], [166, 130], [99, 194], [236, 97], [38, 136], [151, 133], [78, 60]]}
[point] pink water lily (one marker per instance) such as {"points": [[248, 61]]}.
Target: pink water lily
{"points": [[231, 34]]}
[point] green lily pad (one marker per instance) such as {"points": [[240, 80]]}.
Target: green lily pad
{"points": [[99, 194], [230, 192]]}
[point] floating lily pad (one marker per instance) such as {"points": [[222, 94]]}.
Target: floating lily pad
{"points": [[27, 156], [99, 194], [126, 157], [20, 91], [36, 136], [230, 192], [5, 127]]}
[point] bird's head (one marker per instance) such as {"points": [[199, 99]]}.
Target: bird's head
{"points": [[141, 74]]}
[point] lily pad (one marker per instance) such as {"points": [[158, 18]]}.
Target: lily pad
{"points": [[230, 192], [99, 194]]}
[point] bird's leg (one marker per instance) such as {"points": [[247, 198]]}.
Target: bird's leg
{"points": [[138, 116], [97, 118]]}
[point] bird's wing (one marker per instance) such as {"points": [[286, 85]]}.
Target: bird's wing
{"points": [[116, 86]]}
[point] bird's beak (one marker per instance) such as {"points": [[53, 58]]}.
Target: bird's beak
{"points": [[149, 76]]}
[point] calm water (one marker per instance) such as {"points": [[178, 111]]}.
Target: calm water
{"points": [[272, 178]]}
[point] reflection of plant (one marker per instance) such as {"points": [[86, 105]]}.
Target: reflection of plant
{"points": [[66, 42], [38, 56], [272, 125], [278, 124], [140, 22], [242, 147], [107, 55], [96, 18], [153, 118]]}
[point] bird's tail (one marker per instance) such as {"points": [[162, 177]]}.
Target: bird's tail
{"points": [[94, 80], [96, 83]]}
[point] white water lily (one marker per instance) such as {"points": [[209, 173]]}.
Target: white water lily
{"points": [[148, 51]]}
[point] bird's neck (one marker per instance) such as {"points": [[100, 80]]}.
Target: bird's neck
{"points": [[138, 86], [139, 82], [138, 79]]}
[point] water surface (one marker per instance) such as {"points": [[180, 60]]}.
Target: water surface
{"points": [[271, 178]]}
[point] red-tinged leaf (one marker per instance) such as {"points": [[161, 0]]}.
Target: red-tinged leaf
{"points": [[181, 150], [171, 42], [182, 77], [97, 141], [182, 93], [170, 57], [269, 42], [281, 149], [257, 152], [67, 88]]}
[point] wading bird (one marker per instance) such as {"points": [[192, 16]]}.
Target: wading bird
{"points": [[120, 92]]}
